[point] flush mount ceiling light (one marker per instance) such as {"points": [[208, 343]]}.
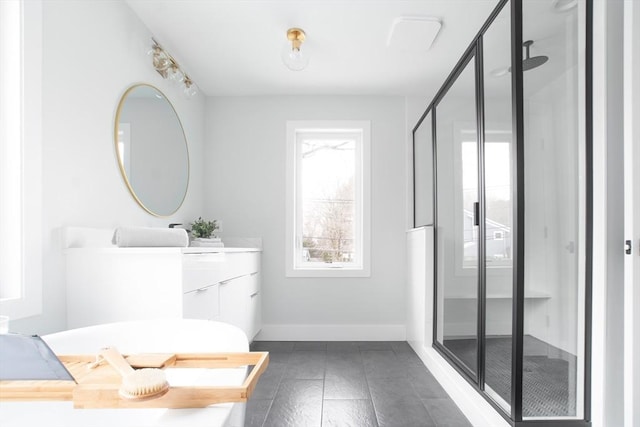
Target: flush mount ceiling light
{"points": [[292, 54], [169, 69]]}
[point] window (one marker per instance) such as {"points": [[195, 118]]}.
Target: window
{"points": [[20, 158], [497, 155], [10, 178], [328, 199]]}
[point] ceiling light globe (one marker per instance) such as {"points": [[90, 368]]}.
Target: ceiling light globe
{"points": [[161, 62], [175, 76], [295, 60], [190, 91], [294, 56]]}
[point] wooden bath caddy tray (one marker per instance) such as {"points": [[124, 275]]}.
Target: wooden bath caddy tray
{"points": [[97, 387]]}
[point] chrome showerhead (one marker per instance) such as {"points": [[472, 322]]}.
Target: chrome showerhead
{"points": [[529, 63]]}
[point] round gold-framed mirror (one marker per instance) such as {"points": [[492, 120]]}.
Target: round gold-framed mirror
{"points": [[151, 150]]}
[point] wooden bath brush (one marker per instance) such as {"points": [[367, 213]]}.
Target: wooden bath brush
{"points": [[137, 384]]}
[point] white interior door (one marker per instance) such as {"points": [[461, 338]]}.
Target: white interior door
{"points": [[632, 211]]}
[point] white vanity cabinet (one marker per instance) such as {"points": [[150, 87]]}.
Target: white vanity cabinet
{"points": [[241, 296], [117, 284], [202, 303]]}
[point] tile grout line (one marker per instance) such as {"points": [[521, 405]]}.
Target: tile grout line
{"points": [[324, 382], [266, 415], [364, 372]]}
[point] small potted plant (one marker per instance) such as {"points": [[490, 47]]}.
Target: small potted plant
{"points": [[203, 233]]}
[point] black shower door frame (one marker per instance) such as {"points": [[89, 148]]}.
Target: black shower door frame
{"points": [[475, 53]]}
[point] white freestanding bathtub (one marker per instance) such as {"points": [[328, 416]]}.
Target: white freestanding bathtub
{"points": [[149, 336]]}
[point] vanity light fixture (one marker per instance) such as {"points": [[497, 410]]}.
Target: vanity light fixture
{"points": [[169, 69], [292, 54]]}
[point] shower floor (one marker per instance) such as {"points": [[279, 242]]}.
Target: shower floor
{"points": [[547, 370]]}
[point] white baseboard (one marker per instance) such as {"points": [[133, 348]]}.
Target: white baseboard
{"points": [[479, 412], [332, 333]]}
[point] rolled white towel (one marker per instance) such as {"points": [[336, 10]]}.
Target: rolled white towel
{"points": [[150, 237]]}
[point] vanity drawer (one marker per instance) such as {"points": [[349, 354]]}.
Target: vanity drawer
{"points": [[204, 260], [202, 303], [201, 270], [242, 264], [254, 283]]}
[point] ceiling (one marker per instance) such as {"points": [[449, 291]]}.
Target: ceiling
{"points": [[233, 47]]}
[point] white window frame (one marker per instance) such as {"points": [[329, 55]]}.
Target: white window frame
{"points": [[363, 200], [21, 226]]}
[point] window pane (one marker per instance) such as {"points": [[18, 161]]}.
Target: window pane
{"points": [[10, 150], [328, 200]]}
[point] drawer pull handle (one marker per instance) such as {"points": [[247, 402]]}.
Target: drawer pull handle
{"points": [[254, 294]]}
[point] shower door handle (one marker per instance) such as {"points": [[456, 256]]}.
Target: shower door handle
{"points": [[571, 247], [476, 213]]}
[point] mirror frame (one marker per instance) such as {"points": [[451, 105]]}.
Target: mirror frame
{"points": [[121, 166]]}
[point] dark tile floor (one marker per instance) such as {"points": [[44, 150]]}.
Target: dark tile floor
{"points": [[343, 384]]}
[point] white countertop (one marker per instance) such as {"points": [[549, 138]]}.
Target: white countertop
{"points": [[100, 240], [162, 250]]}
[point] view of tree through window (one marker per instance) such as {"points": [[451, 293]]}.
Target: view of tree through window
{"points": [[327, 180]]}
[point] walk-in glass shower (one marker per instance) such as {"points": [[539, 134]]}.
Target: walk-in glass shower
{"points": [[510, 138]]}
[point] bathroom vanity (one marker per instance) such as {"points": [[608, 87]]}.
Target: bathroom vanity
{"points": [[109, 284]]}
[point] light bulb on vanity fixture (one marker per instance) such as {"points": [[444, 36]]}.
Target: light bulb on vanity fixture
{"points": [[169, 69], [189, 88], [175, 76], [293, 56]]}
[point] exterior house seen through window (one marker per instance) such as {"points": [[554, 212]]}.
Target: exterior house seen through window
{"points": [[498, 195]]}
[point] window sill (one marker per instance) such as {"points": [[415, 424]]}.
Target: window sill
{"points": [[328, 272], [19, 308]]}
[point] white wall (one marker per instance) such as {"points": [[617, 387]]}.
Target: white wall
{"points": [[614, 401], [245, 189], [92, 51]]}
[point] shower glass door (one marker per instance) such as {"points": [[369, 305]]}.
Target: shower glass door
{"points": [[457, 232], [555, 225], [512, 212], [498, 209]]}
